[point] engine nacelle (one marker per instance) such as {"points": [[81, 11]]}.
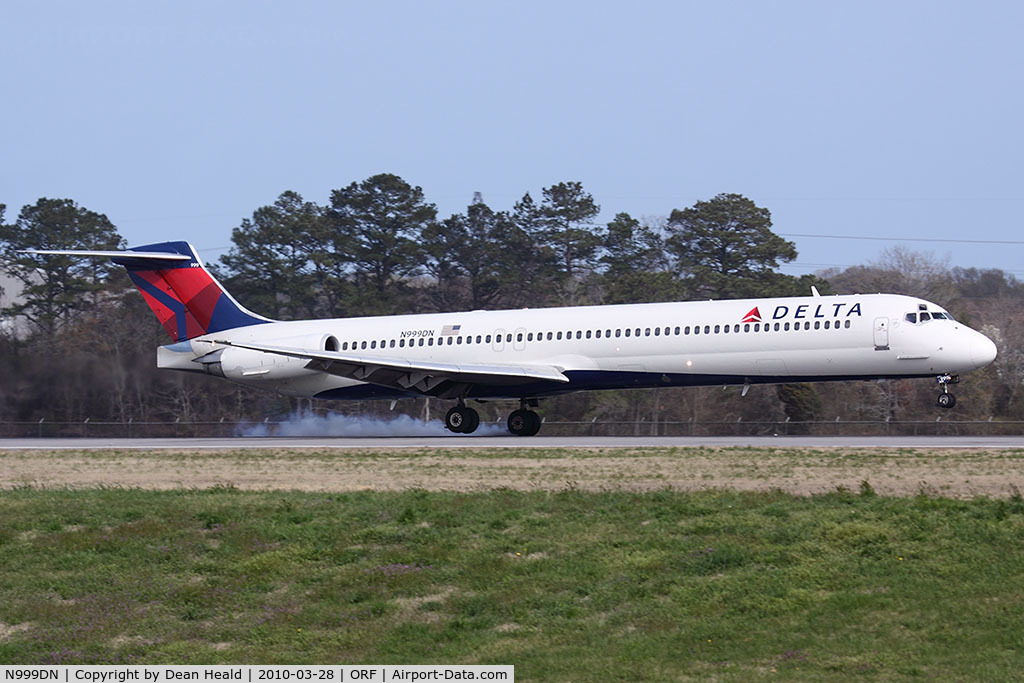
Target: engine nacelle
{"points": [[244, 365]]}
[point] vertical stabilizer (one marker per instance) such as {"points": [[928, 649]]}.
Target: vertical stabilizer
{"points": [[186, 299]]}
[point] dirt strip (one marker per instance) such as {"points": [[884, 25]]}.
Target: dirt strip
{"points": [[804, 471]]}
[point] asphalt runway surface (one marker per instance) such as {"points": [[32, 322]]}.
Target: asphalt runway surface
{"points": [[457, 441]]}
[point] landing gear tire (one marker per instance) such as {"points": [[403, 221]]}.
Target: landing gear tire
{"points": [[523, 422], [946, 400], [462, 420]]}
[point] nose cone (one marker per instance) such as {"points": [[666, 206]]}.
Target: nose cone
{"points": [[983, 350]]}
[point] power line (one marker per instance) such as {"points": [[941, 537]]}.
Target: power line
{"points": [[821, 266], [899, 239]]}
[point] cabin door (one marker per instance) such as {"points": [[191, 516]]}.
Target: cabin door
{"points": [[881, 334]]}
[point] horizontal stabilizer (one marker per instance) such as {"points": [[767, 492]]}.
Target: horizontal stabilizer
{"points": [[186, 299], [155, 255]]}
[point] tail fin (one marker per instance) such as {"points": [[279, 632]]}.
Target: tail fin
{"points": [[186, 299]]}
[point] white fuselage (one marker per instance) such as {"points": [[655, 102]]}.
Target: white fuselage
{"points": [[602, 347]]}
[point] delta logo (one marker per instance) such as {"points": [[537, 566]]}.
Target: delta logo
{"points": [[806, 311]]}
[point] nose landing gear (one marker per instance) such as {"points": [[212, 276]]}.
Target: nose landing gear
{"points": [[947, 399]]}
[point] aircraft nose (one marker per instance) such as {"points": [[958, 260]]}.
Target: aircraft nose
{"points": [[983, 351]]}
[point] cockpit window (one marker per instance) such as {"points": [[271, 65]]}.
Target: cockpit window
{"points": [[924, 316]]}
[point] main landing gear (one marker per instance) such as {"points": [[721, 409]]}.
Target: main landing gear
{"points": [[524, 422], [462, 419], [946, 399]]}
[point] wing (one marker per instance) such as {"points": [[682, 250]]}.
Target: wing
{"points": [[445, 380]]}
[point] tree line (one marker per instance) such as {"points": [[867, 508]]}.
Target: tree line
{"points": [[78, 343], [379, 248]]}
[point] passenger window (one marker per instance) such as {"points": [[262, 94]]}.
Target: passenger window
{"points": [[588, 334], [487, 339], [558, 336], [421, 341], [716, 329], [519, 337], [598, 334], [847, 324], [362, 345], [618, 333], [817, 325], [707, 329], [677, 331], [628, 331], [726, 330], [451, 340], [696, 329], [508, 337], [827, 324], [550, 336], [529, 337], [686, 330], [657, 331], [784, 327], [647, 332], [344, 346], [579, 334], [391, 344]]}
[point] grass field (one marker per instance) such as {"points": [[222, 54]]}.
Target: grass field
{"points": [[954, 473], [565, 585]]}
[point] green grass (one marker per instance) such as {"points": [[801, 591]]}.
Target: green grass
{"points": [[565, 586]]}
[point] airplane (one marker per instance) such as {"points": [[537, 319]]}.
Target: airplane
{"points": [[529, 354]]}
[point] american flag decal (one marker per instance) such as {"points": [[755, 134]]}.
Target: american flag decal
{"points": [[449, 330]]}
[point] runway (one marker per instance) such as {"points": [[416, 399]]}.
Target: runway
{"points": [[512, 442]]}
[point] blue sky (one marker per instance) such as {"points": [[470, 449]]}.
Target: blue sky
{"points": [[869, 119]]}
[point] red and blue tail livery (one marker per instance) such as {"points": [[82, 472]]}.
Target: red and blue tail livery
{"points": [[186, 299]]}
